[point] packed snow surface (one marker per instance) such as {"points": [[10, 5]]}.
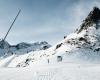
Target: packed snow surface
{"points": [[59, 71]]}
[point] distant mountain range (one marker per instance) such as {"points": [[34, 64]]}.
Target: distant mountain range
{"points": [[22, 48]]}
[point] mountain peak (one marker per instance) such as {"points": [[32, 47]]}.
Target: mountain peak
{"points": [[94, 15], [92, 18]]}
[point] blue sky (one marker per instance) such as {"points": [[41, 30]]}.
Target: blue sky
{"points": [[42, 20]]}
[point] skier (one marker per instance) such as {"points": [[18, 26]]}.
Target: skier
{"points": [[48, 61]]}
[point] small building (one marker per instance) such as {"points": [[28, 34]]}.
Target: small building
{"points": [[59, 58]]}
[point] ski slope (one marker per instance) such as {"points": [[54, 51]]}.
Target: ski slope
{"points": [[59, 71]]}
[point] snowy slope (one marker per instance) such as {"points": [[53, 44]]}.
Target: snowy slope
{"points": [[63, 71]]}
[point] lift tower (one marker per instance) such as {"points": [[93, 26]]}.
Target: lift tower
{"points": [[2, 42]]}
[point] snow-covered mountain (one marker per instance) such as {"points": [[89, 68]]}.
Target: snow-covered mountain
{"points": [[81, 46], [22, 48]]}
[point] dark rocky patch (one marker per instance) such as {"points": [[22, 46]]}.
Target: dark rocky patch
{"points": [[92, 18]]}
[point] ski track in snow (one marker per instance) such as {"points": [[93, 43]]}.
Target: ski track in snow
{"points": [[8, 62]]}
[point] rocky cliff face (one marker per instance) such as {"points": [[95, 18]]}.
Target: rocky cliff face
{"points": [[92, 19]]}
